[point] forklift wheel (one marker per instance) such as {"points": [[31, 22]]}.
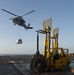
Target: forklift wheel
{"points": [[68, 63], [52, 68], [63, 67]]}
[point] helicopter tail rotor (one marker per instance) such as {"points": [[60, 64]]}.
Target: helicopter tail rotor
{"points": [[29, 25]]}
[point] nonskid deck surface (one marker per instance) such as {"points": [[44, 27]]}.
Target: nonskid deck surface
{"points": [[26, 70], [23, 68]]}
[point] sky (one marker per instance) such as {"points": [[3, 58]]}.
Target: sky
{"points": [[61, 12]]}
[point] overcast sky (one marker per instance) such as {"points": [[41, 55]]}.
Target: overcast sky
{"points": [[61, 12]]}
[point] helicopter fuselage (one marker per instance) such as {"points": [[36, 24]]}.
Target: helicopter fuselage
{"points": [[18, 21], [21, 22]]}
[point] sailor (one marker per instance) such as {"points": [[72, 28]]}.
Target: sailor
{"points": [[56, 55]]}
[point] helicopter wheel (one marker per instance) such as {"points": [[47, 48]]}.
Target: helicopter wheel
{"points": [[14, 24]]}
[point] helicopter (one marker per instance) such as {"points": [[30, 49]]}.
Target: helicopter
{"points": [[19, 19]]}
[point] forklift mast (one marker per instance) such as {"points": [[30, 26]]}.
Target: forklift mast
{"points": [[47, 43]]}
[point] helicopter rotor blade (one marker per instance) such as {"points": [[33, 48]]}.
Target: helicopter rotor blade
{"points": [[28, 13], [9, 12]]}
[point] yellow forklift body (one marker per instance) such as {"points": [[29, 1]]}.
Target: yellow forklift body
{"points": [[54, 57]]}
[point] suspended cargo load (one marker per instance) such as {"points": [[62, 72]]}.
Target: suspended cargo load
{"points": [[19, 41]]}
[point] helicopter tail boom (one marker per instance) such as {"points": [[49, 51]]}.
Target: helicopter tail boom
{"points": [[29, 27]]}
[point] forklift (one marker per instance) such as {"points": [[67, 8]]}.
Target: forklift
{"points": [[51, 59], [63, 52]]}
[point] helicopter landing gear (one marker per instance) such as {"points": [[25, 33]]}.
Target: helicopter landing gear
{"points": [[14, 24]]}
